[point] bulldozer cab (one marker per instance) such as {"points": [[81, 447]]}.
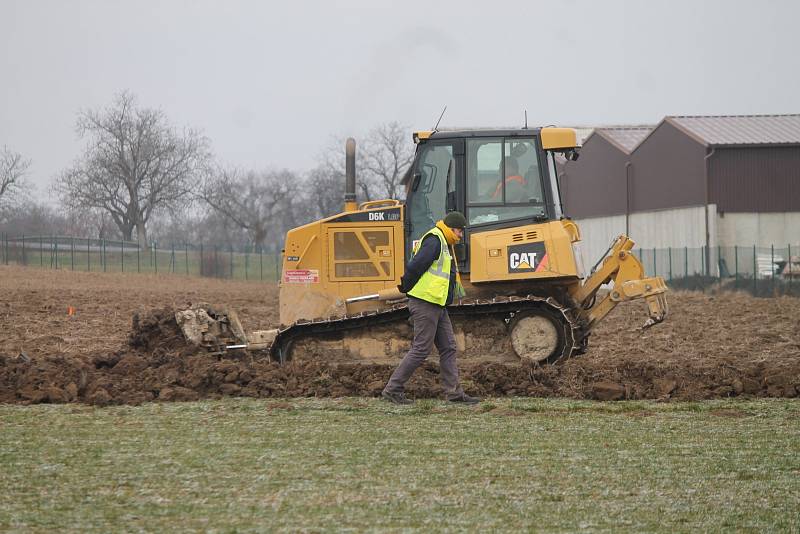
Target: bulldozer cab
{"points": [[498, 179]]}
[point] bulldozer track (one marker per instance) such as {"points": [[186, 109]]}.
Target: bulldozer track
{"points": [[572, 339]]}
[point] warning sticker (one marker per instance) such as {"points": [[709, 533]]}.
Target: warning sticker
{"points": [[301, 276]]}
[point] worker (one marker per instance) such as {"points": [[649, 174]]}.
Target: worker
{"points": [[515, 184], [431, 281]]}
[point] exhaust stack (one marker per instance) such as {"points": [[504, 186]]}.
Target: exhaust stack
{"points": [[350, 176]]}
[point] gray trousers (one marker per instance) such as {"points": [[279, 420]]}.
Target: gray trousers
{"points": [[432, 326]]}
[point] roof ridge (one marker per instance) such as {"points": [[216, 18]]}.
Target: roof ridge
{"points": [[728, 130], [637, 127], [733, 116]]}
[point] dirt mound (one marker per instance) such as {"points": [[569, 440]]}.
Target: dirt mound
{"points": [[157, 331], [710, 346], [133, 378]]}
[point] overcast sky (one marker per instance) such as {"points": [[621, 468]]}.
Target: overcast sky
{"points": [[271, 83]]}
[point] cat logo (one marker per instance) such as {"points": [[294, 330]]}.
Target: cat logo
{"points": [[522, 260], [527, 258]]}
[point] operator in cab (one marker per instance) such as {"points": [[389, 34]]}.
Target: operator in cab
{"points": [[432, 281]]}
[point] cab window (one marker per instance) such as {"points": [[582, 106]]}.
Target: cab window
{"points": [[435, 168], [503, 180]]}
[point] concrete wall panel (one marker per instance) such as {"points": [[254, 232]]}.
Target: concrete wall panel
{"points": [[596, 236], [681, 229], [760, 229]]}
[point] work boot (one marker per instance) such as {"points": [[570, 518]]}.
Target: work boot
{"points": [[464, 399], [396, 398]]}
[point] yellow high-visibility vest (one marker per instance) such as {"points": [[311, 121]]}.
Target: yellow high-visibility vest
{"points": [[432, 286]]}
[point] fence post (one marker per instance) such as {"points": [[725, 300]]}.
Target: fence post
{"points": [[277, 267], [755, 271], [154, 247], [261, 262], [216, 261], [772, 266], [655, 264], [202, 267], [88, 255], [703, 266], [103, 255], [669, 252], [736, 263], [186, 256], [41, 251], [246, 261], [789, 253], [231, 262], [122, 252], [24, 252], [685, 262], [172, 259], [72, 252]]}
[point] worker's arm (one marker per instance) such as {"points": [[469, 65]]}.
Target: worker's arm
{"points": [[428, 253]]}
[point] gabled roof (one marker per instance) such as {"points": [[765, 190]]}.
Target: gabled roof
{"points": [[582, 133], [720, 130], [626, 138]]}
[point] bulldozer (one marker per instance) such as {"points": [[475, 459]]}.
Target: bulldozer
{"points": [[527, 297]]}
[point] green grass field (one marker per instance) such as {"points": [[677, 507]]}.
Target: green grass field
{"points": [[360, 464], [218, 262]]}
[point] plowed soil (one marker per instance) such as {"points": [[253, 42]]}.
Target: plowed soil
{"points": [[120, 345]]}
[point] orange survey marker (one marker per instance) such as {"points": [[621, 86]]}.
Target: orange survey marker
{"points": [[71, 310]]}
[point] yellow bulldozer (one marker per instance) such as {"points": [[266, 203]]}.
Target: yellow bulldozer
{"points": [[526, 297]]}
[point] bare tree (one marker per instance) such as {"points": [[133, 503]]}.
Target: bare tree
{"points": [[324, 192], [134, 164], [92, 223], [30, 217], [261, 203], [385, 156], [13, 168]]}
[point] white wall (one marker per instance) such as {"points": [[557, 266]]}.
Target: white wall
{"points": [[683, 231], [774, 236], [679, 229], [682, 227], [596, 236], [760, 229]]}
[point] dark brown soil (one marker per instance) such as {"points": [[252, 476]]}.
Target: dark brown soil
{"points": [[123, 347]]}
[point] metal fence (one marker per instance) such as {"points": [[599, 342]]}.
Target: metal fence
{"points": [[762, 271], [101, 255]]}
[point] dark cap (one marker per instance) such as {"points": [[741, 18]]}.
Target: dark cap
{"points": [[455, 219]]}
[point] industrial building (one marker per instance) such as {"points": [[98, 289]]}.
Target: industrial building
{"points": [[716, 183]]}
